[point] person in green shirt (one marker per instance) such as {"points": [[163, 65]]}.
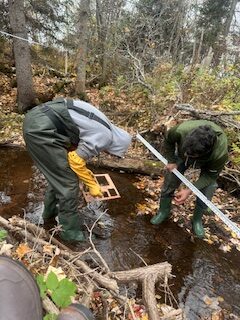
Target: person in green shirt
{"points": [[201, 144]]}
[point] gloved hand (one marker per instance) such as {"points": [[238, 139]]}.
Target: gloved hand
{"points": [[78, 165]]}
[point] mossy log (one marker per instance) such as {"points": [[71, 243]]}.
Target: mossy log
{"points": [[130, 165]]}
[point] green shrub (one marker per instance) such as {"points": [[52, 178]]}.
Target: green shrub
{"points": [[60, 291]]}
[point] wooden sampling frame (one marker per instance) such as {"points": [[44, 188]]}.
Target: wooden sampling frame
{"points": [[108, 188]]}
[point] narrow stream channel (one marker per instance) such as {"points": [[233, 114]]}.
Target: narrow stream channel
{"points": [[201, 270]]}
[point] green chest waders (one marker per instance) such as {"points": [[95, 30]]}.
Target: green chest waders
{"points": [[48, 149]]}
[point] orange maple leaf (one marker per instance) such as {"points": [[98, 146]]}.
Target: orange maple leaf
{"points": [[22, 250]]}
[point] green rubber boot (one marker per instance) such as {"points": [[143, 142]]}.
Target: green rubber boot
{"points": [[163, 212], [50, 211], [73, 236], [71, 227], [197, 222]]}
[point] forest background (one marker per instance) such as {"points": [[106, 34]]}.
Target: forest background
{"points": [[146, 56]]}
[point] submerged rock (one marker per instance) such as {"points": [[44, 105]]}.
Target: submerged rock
{"points": [[96, 214]]}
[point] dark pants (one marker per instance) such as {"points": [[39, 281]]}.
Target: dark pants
{"points": [[48, 150], [171, 183]]}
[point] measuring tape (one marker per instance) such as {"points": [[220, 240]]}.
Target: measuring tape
{"points": [[21, 38], [232, 226]]}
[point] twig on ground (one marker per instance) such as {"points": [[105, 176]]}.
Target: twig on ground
{"points": [[90, 230]]}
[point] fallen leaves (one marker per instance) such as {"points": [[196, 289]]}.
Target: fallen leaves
{"points": [[146, 208], [132, 310], [225, 247], [22, 250], [57, 271], [216, 231], [6, 248]]}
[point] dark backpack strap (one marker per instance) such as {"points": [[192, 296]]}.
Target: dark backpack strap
{"points": [[87, 114], [55, 119]]}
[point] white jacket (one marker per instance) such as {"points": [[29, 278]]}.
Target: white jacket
{"points": [[95, 137]]}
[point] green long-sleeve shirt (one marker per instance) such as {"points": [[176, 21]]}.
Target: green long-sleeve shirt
{"points": [[211, 164]]}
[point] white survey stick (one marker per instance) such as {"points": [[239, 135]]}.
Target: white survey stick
{"points": [[232, 226]]}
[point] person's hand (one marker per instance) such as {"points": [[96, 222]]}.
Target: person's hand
{"points": [[181, 196], [95, 191], [78, 165], [171, 166]]}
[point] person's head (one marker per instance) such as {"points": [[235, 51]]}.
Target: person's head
{"points": [[121, 140], [199, 142]]}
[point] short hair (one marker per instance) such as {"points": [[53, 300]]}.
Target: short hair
{"points": [[199, 141]]}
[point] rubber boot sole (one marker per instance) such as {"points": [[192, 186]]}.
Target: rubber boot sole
{"points": [[76, 312], [19, 293]]}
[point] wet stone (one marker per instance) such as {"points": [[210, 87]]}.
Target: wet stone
{"points": [[95, 215]]}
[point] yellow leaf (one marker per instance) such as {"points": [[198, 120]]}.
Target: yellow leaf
{"points": [[220, 299], [209, 241], [233, 234], [22, 250], [141, 207], [48, 248], [58, 272], [207, 300], [225, 248]]}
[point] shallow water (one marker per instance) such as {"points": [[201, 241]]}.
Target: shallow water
{"points": [[200, 269]]}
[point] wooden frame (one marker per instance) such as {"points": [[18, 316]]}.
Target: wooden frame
{"points": [[108, 188]]}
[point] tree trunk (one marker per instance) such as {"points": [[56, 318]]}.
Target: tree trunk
{"points": [[197, 51], [207, 60], [175, 43], [221, 48], [82, 49], [102, 38], [230, 17], [228, 25], [26, 94]]}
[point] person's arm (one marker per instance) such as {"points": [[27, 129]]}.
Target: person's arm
{"points": [[208, 176], [171, 139], [78, 165], [210, 172]]}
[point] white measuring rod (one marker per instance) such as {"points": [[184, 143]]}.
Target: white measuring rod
{"points": [[232, 226]]}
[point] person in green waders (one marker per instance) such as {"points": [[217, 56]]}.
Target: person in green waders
{"points": [[198, 143], [61, 135]]}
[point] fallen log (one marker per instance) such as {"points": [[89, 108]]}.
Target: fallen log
{"points": [[138, 274], [49, 306], [136, 165], [221, 118], [148, 276], [104, 281], [130, 165]]}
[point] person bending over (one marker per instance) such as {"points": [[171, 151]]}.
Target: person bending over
{"points": [[200, 144], [61, 135]]}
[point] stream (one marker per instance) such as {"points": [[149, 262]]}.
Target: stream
{"points": [[205, 278]]}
